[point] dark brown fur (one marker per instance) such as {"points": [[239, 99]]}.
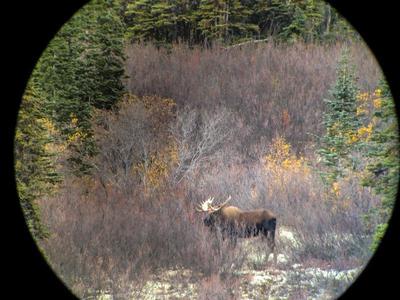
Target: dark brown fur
{"points": [[234, 222]]}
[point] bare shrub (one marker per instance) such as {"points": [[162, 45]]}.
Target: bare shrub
{"points": [[275, 89], [135, 216], [201, 138], [114, 243], [131, 139], [328, 224], [213, 288]]}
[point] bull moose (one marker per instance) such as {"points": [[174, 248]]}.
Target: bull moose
{"points": [[233, 222]]}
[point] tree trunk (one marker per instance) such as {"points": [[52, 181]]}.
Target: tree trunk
{"points": [[328, 18]]}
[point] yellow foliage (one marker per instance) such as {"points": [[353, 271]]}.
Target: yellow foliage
{"points": [[377, 103], [336, 188], [52, 147], [74, 119], [378, 93], [280, 158], [172, 151], [169, 102], [55, 148], [352, 138], [279, 149], [76, 136], [363, 96], [48, 125], [364, 104], [365, 132], [156, 171], [158, 167], [159, 164]]}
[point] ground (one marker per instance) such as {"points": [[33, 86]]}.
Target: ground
{"points": [[259, 278]]}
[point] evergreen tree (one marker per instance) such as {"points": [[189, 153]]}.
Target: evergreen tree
{"points": [[341, 122], [161, 21], [34, 163], [81, 69], [230, 21], [237, 20], [383, 169], [270, 16], [104, 60], [224, 21], [186, 27], [306, 21], [209, 18], [141, 22]]}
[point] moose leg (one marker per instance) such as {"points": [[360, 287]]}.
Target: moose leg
{"points": [[271, 243], [232, 235], [269, 233]]}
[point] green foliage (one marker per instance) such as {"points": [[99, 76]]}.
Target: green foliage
{"points": [[142, 23], [270, 16], [82, 68], [230, 21], [34, 163], [382, 173], [341, 122], [160, 21], [378, 235], [224, 21]]}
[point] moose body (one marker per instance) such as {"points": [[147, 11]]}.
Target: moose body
{"points": [[235, 223]]}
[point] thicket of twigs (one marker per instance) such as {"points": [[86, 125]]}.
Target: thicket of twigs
{"points": [[207, 123]]}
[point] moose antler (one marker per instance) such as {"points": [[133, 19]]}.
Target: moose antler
{"points": [[226, 201], [205, 205], [208, 207]]}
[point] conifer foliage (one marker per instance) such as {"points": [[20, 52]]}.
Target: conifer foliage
{"points": [[80, 70], [383, 169], [377, 143], [341, 122], [34, 165], [231, 21]]}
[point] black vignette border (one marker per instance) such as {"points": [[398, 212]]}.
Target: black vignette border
{"points": [[378, 23], [28, 28]]}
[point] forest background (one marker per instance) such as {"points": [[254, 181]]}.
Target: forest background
{"points": [[188, 90]]}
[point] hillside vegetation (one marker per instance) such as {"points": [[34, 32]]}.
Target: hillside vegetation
{"points": [[139, 110]]}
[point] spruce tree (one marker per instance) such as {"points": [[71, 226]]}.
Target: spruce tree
{"points": [[224, 21], [382, 173], [341, 122], [306, 21], [160, 21], [35, 170], [140, 21], [81, 69]]}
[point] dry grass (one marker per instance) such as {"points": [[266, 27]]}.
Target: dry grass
{"points": [[272, 89], [104, 240], [112, 232]]}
